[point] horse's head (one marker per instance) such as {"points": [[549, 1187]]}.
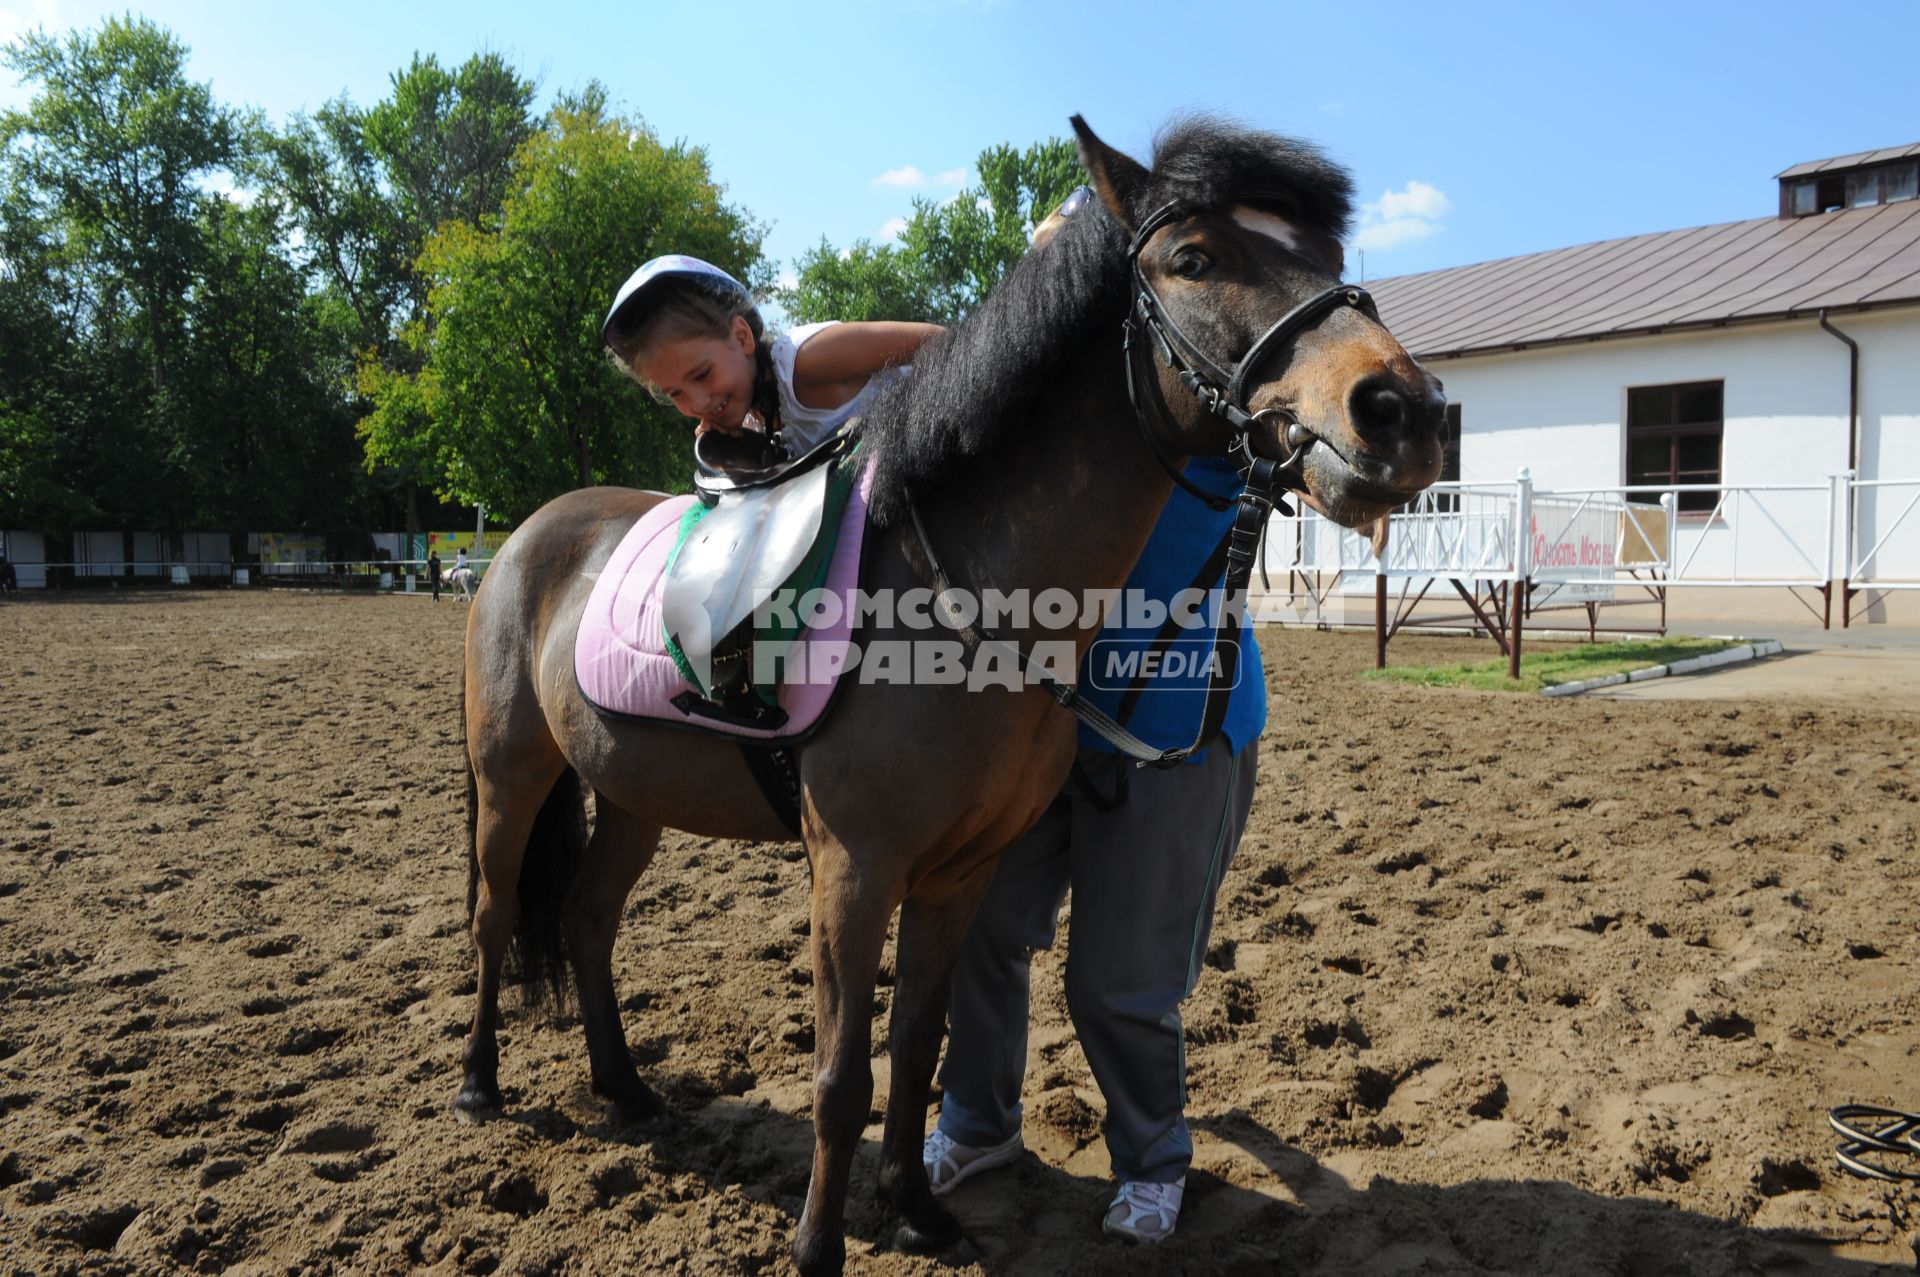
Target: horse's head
{"points": [[1237, 259]]}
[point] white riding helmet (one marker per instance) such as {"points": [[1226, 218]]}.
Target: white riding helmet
{"points": [[671, 266]]}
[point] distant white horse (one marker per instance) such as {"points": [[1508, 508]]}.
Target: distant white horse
{"points": [[465, 581]]}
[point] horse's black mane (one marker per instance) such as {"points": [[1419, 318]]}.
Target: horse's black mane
{"points": [[983, 378]]}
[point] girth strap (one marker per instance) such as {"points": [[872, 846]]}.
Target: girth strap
{"points": [[778, 775]]}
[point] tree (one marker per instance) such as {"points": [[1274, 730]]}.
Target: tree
{"points": [[162, 365], [950, 255], [354, 237], [116, 146], [516, 401], [446, 141], [265, 434], [865, 282]]}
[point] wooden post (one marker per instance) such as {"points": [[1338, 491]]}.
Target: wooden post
{"points": [[1379, 621], [1513, 641]]}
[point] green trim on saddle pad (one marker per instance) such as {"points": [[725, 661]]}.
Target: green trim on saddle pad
{"points": [[773, 642], [688, 521]]}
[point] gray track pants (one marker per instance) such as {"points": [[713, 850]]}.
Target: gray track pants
{"points": [[1144, 879]]}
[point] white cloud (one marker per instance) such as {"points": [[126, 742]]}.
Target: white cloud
{"points": [[909, 177], [1402, 217], [789, 278], [1418, 200], [220, 182], [18, 17], [892, 229]]}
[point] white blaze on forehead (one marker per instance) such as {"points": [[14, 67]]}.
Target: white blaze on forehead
{"points": [[1270, 224]]}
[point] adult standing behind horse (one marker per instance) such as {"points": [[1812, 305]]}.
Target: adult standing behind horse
{"points": [[1143, 853], [433, 573]]}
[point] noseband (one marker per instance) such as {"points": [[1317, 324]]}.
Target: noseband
{"points": [[1221, 393]]}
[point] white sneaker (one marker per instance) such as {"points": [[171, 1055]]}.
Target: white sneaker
{"points": [[948, 1163], [1143, 1212]]}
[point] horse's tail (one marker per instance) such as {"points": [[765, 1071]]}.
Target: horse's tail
{"points": [[556, 849]]}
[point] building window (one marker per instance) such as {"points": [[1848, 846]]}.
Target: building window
{"points": [[1854, 188], [1900, 182], [1673, 437]]}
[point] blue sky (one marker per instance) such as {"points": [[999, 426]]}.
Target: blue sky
{"points": [[1473, 130]]}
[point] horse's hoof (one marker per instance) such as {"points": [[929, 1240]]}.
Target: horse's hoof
{"points": [[928, 1231], [633, 1100], [475, 1105], [644, 1107], [824, 1257]]}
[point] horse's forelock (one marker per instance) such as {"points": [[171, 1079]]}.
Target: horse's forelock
{"points": [[1207, 162]]}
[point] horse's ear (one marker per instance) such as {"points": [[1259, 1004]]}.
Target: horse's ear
{"points": [[1117, 178]]}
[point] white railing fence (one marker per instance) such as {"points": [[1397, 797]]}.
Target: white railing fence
{"points": [[1831, 538]]}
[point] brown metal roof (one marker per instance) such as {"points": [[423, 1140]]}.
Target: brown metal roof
{"points": [[1709, 276], [1880, 156]]}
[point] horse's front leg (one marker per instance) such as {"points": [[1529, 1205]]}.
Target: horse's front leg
{"points": [[851, 906], [932, 926], [619, 851]]}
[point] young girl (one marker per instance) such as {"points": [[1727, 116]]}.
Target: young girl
{"points": [[691, 334]]}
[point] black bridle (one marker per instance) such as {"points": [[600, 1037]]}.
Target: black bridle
{"points": [[1221, 393]]}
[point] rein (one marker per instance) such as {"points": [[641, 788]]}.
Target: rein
{"points": [[1225, 396]]}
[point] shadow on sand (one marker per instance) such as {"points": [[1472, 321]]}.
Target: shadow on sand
{"points": [[1037, 1218]]}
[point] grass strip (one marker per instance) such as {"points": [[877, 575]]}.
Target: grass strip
{"points": [[1547, 668]]}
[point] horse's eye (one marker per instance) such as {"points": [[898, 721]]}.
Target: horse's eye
{"points": [[1191, 265]]}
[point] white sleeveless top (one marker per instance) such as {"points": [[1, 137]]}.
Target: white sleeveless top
{"points": [[803, 428]]}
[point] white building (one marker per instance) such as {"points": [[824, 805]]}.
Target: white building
{"points": [[1778, 351]]}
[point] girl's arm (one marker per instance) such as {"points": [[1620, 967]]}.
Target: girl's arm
{"points": [[836, 362]]}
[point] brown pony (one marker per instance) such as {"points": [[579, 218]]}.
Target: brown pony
{"points": [[1016, 439]]}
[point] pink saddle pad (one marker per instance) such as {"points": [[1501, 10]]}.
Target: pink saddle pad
{"points": [[620, 657]]}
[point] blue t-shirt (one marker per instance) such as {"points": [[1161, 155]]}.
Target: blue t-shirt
{"points": [[1168, 712]]}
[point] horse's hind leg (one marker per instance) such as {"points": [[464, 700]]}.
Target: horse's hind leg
{"points": [[851, 905], [931, 929], [621, 848], [502, 820]]}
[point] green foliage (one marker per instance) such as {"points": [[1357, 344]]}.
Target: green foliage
{"points": [[517, 401], [866, 282], [264, 437], [445, 141], [951, 254], [354, 239]]}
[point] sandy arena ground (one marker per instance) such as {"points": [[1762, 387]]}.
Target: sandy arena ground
{"points": [[1498, 985]]}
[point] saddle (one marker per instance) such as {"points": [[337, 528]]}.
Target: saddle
{"points": [[623, 662], [751, 533]]}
